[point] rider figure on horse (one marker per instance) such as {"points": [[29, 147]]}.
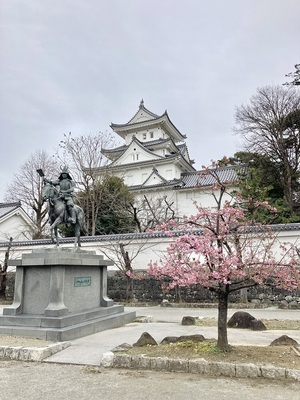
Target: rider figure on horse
{"points": [[66, 189]]}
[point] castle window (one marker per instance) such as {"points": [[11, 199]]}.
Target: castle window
{"points": [[151, 135], [144, 135]]}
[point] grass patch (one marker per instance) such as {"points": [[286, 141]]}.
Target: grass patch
{"points": [[199, 347]]}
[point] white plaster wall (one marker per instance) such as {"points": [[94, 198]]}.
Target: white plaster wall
{"points": [[147, 249], [14, 227], [183, 199], [186, 198], [157, 133]]}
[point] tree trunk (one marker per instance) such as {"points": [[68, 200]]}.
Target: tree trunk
{"points": [[129, 289], [128, 272], [222, 342], [3, 271]]}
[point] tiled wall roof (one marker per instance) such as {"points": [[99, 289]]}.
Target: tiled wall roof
{"points": [[6, 208]]}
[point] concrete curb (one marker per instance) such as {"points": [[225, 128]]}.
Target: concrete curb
{"points": [[21, 353], [197, 366]]}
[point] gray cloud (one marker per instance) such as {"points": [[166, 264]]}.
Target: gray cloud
{"points": [[78, 65]]}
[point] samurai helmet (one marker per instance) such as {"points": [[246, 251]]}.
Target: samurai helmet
{"points": [[64, 171]]}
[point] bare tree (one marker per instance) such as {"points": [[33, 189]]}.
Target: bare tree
{"points": [[83, 156], [295, 75], [123, 254], [263, 125], [27, 188], [150, 211]]}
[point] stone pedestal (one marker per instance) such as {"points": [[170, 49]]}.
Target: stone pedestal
{"points": [[61, 294]]}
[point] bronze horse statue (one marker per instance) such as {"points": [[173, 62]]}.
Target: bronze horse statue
{"points": [[58, 214]]}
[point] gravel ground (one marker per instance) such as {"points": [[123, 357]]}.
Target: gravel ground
{"points": [[16, 341], [24, 381]]}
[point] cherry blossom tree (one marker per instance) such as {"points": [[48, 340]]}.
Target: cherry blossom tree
{"points": [[223, 250]]}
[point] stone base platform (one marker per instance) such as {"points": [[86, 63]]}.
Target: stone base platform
{"points": [[60, 295], [64, 328]]}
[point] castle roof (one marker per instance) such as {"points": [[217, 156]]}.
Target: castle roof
{"points": [[145, 119], [200, 179], [114, 154], [228, 174]]}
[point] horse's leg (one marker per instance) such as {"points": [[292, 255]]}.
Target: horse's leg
{"points": [[52, 232], [53, 227], [77, 234], [56, 236], [52, 235]]}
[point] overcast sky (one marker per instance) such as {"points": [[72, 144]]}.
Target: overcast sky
{"points": [[78, 65]]}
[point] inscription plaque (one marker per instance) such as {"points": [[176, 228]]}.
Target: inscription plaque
{"points": [[82, 281]]}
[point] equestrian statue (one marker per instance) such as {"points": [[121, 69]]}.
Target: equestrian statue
{"points": [[62, 209]]}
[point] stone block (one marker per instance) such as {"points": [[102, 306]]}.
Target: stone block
{"points": [[2, 351], [271, 372], [247, 371], [293, 374], [56, 347], [25, 354], [34, 353], [107, 359], [12, 352], [199, 366], [160, 364], [178, 365], [122, 361], [222, 369], [141, 362]]}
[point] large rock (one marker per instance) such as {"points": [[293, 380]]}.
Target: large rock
{"points": [[284, 340], [145, 340], [122, 347], [257, 325], [244, 320], [185, 338], [187, 320]]}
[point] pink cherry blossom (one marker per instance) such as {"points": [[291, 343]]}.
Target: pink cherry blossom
{"points": [[224, 251]]}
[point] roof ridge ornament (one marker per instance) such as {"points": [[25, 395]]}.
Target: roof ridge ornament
{"points": [[142, 103]]}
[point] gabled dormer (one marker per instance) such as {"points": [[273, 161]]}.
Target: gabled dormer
{"points": [[147, 126], [154, 179], [143, 114], [136, 152]]}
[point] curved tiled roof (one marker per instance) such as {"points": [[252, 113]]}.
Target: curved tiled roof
{"points": [[139, 143], [158, 160], [164, 118], [130, 236], [119, 151], [202, 178], [6, 208], [145, 144], [142, 107], [156, 173]]}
